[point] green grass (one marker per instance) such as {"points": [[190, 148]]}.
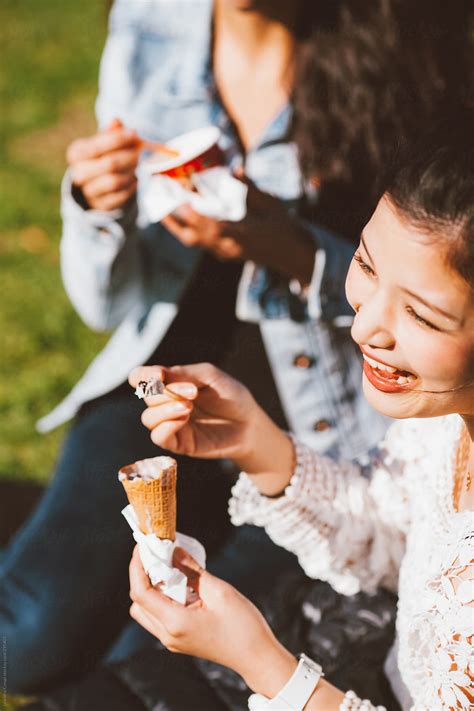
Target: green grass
{"points": [[48, 80]]}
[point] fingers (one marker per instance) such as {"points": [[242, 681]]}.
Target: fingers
{"points": [[150, 623], [193, 229], [139, 580], [228, 248], [160, 413], [109, 185], [202, 223], [182, 380], [165, 435], [111, 201], [182, 559], [173, 391], [146, 372], [187, 564], [187, 235], [121, 161], [144, 594], [200, 374], [146, 621], [188, 391], [100, 144], [103, 166]]}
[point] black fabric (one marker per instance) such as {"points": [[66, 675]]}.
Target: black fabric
{"points": [[349, 636], [17, 501], [101, 690], [168, 682], [151, 679], [206, 329]]}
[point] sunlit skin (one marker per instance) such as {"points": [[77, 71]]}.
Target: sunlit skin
{"points": [[414, 313]]}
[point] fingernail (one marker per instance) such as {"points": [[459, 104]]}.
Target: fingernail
{"points": [[180, 407], [188, 391]]}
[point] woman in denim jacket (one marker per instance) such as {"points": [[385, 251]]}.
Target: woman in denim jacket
{"points": [[262, 296]]}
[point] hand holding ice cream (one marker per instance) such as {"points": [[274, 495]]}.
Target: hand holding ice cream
{"points": [[103, 166], [222, 625], [150, 485]]}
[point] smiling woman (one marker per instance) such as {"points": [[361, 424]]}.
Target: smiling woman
{"points": [[411, 283], [409, 525]]}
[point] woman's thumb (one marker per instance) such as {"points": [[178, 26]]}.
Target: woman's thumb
{"points": [[186, 563]]}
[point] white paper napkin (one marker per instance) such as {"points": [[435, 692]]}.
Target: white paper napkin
{"points": [[157, 555], [219, 195]]}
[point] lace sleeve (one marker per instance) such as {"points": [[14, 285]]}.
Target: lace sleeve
{"points": [[345, 528], [444, 632]]}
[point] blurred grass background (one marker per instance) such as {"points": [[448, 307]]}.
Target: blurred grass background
{"points": [[48, 82]]}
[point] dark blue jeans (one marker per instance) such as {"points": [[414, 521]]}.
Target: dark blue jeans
{"points": [[64, 578]]}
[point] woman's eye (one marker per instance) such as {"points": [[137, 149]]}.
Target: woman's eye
{"points": [[363, 265], [420, 320]]}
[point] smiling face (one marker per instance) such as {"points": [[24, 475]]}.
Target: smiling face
{"points": [[414, 320]]}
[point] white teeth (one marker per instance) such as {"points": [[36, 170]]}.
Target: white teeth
{"points": [[373, 363], [401, 380], [388, 368], [379, 366]]}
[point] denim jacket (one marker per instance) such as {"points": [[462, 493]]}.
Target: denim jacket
{"points": [[124, 274]]}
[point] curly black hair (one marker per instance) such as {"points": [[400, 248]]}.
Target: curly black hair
{"points": [[370, 75]]}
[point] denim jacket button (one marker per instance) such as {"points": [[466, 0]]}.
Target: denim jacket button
{"points": [[303, 361], [322, 425]]}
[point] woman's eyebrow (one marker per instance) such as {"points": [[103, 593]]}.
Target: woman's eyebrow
{"points": [[432, 307], [365, 247], [418, 298]]}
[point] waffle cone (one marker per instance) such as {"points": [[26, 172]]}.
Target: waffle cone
{"points": [[153, 497]]}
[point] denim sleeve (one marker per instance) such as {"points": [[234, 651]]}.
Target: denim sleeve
{"points": [[265, 295], [103, 253], [100, 261], [326, 296], [100, 250]]}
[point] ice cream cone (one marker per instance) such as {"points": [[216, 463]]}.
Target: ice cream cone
{"points": [[150, 485]]}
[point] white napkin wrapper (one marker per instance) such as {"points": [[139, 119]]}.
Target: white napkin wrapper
{"points": [[219, 195], [157, 555]]}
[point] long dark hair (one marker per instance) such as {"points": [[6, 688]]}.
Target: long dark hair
{"points": [[369, 74], [431, 183]]}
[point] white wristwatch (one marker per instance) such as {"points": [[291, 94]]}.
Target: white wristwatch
{"points": [[296, 692]]}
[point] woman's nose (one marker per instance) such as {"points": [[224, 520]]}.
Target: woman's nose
{"points": [[372, 325]]}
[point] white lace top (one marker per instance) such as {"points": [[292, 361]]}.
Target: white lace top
{"points": [[397, 528]]}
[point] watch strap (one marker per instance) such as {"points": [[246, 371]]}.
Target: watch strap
{"points": [[296, 692]]}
